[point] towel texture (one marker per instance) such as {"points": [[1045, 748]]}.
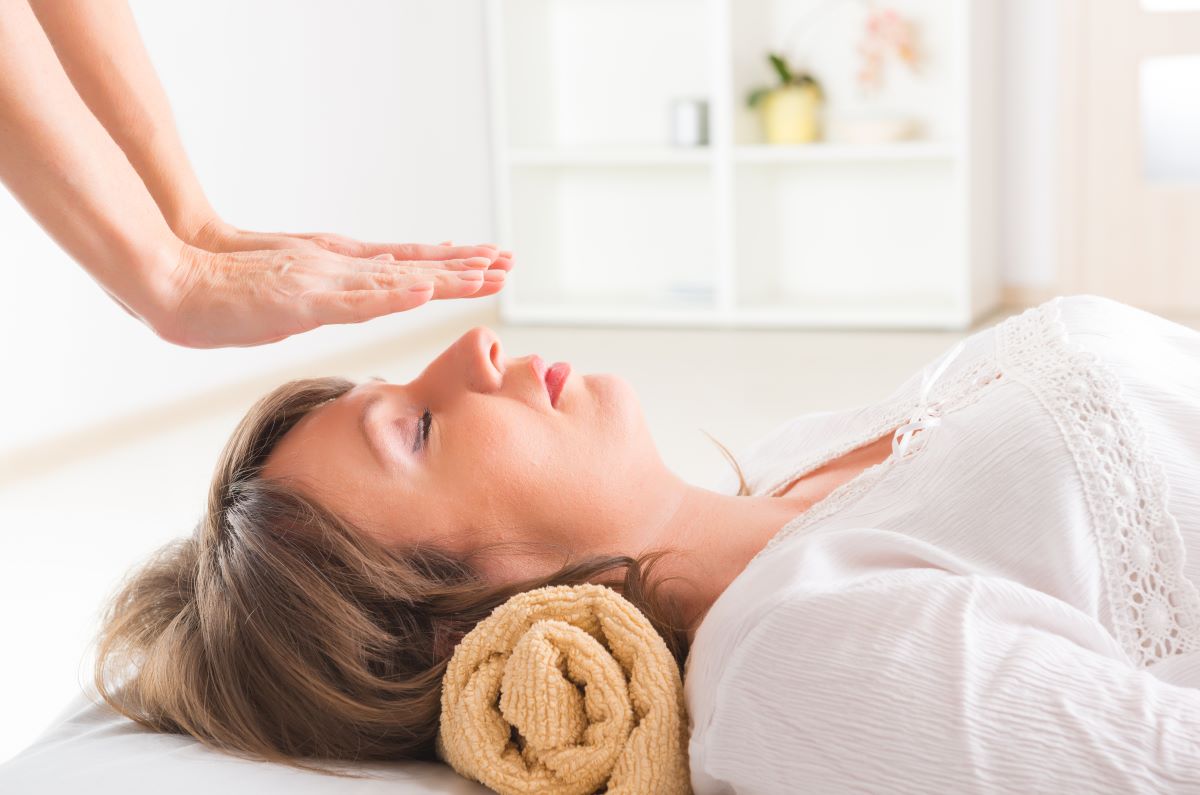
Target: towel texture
{"points": [[588, 685]]}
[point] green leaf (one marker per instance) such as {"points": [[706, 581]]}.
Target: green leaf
{"points": [[781, 68], [757, 96]]}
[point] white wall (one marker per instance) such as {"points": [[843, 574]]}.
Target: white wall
{"points": [[366, 118]]}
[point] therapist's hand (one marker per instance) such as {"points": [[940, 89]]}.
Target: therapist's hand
{"points": [[218, 236], [243, 298]]}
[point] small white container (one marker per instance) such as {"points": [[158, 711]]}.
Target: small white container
{"points": [[689, 122]]}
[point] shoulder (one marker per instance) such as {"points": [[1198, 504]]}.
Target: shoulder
{"points": [[1125, 335], [1088, 305], [1087, 318]]}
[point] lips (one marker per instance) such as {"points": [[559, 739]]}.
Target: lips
{"points": [[554, 377]]}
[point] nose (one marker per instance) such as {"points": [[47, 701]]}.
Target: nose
{"points": [[483, 348], [472, 363], [475, 361]]}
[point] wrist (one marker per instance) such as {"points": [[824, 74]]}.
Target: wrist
{"points": [[163, 275]]}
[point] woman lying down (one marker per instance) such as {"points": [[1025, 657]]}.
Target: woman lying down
{"points": [[984, 582]]}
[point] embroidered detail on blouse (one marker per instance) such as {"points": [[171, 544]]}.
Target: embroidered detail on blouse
{"points": [[1154, 609], [955, 390]]}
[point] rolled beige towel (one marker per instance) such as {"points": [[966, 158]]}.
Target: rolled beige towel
{"points": [[589, 686]]}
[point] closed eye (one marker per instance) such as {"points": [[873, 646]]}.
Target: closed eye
{"points": [[423, 425]]}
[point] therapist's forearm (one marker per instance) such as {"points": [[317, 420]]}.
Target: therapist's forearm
{"points": [[98, 43], [64, 168]]}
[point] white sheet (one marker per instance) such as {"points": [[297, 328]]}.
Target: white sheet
{"points": [[89, 748]]}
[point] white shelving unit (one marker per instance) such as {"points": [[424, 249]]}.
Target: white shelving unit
{"points": [[612, 224]]}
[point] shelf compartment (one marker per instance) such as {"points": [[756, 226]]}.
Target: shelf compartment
{"points": [[827, 240], [626, 239], [583, 72]]}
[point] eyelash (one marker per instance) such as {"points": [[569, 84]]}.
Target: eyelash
{"points": [[423, 426]]}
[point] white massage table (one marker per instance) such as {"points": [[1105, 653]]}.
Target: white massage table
{"points": [[90, 749]]}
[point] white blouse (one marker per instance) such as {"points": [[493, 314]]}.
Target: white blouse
{"points": [[1006, 603]]}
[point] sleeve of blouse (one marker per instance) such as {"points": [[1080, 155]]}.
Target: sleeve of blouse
{"points": [[924, 681]]}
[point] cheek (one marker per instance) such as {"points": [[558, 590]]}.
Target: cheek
{"points": [[515, 464], [609, 458], [490, 467], [607, 443]]}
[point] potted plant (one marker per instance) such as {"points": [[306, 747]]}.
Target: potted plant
{"points": [[790, 110]]}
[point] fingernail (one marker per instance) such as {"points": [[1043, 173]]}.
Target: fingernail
{"points": [[494, 275], [477, 262], [416, 288], [470, 276]]}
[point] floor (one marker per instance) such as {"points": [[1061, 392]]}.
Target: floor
{"points": [[85, 510]]}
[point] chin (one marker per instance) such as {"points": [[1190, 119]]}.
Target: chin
{"points": [[610, 388], [617, 398]]}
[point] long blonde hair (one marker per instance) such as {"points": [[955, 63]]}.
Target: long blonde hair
{"points": [[277, 631]]}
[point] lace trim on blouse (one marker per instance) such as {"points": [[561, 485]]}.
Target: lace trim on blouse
{"points": [[1153, 607]]}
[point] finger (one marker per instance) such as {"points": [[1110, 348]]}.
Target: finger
{"points": [[349, 273], [471, 264], [447, 284], [384, 256], [411, 251], [458, 284], [382, 264], [493, 282], [502, 263], [417, 251], [446, 243], [357, 306]]}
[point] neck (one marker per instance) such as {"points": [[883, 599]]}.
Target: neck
{"points": [[714, 537]]}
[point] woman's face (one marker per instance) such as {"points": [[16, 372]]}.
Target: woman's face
{"points": [[500, 462]]}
